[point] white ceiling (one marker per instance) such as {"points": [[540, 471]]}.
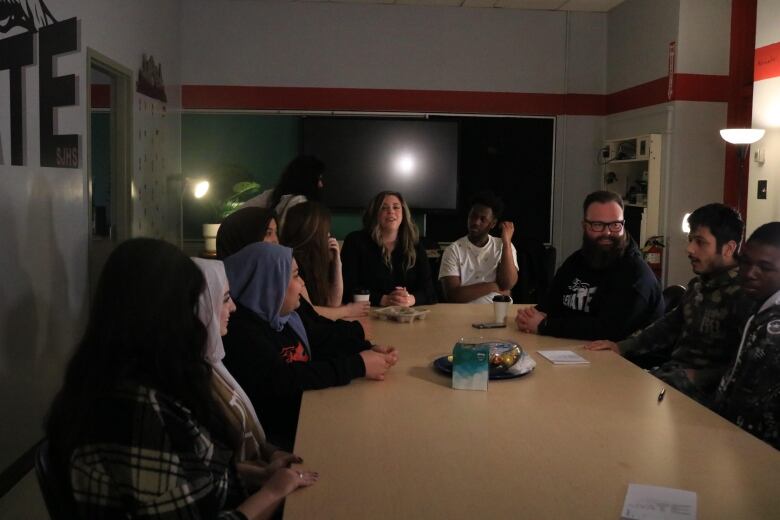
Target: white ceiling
{"points": [[601, 6]]}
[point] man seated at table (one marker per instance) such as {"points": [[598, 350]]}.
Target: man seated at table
{"points": [[702, 332], [478, 266], [603, 290], [749, 393]]}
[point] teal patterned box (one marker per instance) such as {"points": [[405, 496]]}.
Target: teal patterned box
{"points": [[470, 365]]}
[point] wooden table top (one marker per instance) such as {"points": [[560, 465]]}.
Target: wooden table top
{"points": [[562, 442]]}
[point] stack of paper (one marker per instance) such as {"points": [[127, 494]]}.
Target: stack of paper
{"points": [[658, 503], [563, 357]]}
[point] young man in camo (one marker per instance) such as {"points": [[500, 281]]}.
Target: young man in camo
{"points": [[749, 393], [701, 334]]}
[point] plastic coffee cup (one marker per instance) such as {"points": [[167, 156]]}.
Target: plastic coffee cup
{"points": [[361, 295], [500, 306]]}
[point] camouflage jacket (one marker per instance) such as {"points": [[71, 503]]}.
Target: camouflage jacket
{"points": [[701, 333], [749, 394]]}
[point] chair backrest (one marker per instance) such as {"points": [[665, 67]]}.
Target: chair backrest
{"points": [[537, 268], [672, 296], [56, 493]]}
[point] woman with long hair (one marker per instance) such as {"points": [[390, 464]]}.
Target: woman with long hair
{"points": [[386, 258], [256, 459], [301, 180], [307, 232], [268, 349], [135, 430]]}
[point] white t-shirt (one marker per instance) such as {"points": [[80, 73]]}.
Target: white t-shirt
{"points": [[474, 264]]}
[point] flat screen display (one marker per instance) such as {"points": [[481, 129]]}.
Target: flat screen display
{"points": [[363, 156]]}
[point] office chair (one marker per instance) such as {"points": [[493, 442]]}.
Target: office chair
{"points": [[56, 493], [672, 296]]}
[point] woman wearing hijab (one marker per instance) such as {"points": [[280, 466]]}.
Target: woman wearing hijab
{"points": [[256, 459], [252, 225], [135, 430], [269, 351], [386, 257]]}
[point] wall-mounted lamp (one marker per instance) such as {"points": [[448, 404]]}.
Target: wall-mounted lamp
{"points": [[199, 187], [742, 135], [686, 226], [742, 138]]}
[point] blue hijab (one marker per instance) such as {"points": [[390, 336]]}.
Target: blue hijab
{"points": [[259, 275]]}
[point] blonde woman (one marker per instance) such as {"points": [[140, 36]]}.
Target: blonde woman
{"points": [[386, 258]]}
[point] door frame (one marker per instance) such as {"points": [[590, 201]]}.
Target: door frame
{"points": [[121, 152]]}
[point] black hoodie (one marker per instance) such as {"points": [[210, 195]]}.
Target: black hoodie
{"points": [[610, 303]]}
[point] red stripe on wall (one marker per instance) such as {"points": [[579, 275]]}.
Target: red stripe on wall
{"points": [[740, 106], [351, 99], [644, 95], [700, 87], [100, 96], [766, 63], [688, 87]]}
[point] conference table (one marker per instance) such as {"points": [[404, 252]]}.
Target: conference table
{"points": [[562, 442]]}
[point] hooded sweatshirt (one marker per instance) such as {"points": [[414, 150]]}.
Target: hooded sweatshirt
{"points": [[269, 354], [610, 303]]}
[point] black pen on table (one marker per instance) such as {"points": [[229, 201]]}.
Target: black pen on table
{"points": [[661, 394]]}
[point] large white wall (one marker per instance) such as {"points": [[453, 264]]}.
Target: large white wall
{"points": [[639, 33], [766, 114], [372, 46], [44, 211], [413, 47], [638, 39]]}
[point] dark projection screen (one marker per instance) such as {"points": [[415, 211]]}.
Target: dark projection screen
{"points": [[418, 158]]}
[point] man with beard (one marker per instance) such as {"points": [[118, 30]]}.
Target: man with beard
{"points": [[604, 290], [477, 267], [701, 334], [749, 393]]}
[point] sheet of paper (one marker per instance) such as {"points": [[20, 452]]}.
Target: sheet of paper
{"points": [[658, 503], [563, 357]]}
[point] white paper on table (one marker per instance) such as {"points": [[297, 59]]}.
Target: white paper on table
{"points": [[563, 357], [658, 503]]}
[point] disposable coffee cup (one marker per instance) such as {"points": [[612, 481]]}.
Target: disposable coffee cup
{"points": [[500, 305], [361, 295]]}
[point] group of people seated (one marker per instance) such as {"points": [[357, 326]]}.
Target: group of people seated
{"points": [[182, 397], [719, 345]]}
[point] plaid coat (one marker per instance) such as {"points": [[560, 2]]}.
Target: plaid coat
{"points": [[151, 459]]}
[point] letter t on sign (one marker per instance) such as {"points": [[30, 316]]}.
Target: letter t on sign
{"points": [[15, 52], [59, 151]]}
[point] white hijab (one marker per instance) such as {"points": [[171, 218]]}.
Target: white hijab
{"points": [[209, 309]]}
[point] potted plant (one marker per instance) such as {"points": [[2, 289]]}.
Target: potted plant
{"points": [[221, 208]]}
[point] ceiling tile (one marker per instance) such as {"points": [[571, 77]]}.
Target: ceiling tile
{"points": [[550, 5], [479, 3], [455, 3], [600, 6]]}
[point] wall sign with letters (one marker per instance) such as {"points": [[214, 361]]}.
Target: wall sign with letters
{"points": [[16, 52]]}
